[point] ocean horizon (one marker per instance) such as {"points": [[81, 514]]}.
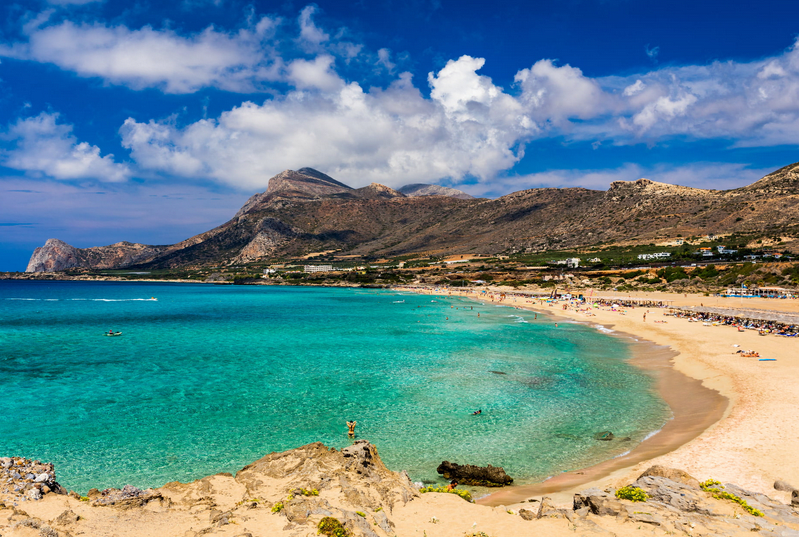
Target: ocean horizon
{"points": [[206, 379]]}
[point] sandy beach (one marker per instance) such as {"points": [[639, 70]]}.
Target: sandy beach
{"points": [[749, 441]]}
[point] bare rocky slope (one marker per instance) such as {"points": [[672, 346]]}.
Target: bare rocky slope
{"points": [[307, 211]]}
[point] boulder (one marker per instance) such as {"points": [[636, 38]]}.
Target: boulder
{"points": [[679, 476], [468, 474], [598, 502], [783, 486], [795, 498]]}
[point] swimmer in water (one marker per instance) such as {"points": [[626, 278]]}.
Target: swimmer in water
{"points": [[351, 426], [476, 412]]}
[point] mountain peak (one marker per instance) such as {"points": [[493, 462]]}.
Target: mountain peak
{"points": [[378, 191]]}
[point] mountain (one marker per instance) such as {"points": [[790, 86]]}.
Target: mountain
{"points": [[420, 189], [307, 211]]}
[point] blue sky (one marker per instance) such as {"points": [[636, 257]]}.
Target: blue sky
{"points": [[139, 122]]}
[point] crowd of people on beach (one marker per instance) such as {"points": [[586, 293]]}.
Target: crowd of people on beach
{"points": [[743, 323]]}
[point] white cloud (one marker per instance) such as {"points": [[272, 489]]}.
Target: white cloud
{"points": [[309, 31], [384, 59], [652, 52], [392, 136], [634, 89], [317, 73], [154, 58], [558, 94], [42, 146]]}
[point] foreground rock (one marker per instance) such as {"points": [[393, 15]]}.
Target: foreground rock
{"points": [[480, 476], [678, 504], [289, 494]]}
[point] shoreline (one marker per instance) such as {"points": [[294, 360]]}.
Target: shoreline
{"points": [[748, 442], [682, 393]]}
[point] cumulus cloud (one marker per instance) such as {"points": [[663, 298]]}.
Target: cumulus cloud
{"points": [[557, 94], [42, 146], [392, 136]]}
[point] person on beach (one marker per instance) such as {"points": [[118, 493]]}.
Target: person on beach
{"points": [[351, 426], [452, 485], [644, 316]]}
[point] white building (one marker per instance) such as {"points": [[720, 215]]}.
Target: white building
{"points": [[658, 255], [318, 268]]}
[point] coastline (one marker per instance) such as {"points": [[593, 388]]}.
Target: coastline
{"points": [[750, 443]]}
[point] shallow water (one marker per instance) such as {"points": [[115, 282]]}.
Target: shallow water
{"points": [[208, 378]]}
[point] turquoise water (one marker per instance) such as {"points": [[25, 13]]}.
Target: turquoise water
{"points": [[209, 378]]}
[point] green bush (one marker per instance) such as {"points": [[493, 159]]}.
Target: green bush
{"points": [[332, 528], [634, 494], [278, 507], [465, 494]]}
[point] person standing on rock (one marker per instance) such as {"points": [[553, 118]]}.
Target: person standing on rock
{"points": [[351, 426]]}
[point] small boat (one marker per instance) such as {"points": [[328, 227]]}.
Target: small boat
{"points": [[113, 334], [398, 302]]}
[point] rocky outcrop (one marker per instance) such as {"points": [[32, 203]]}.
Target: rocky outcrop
{"points": [[54, 256], [290, 494], [24, 479], [468, 474], [681, 506], [57, 255]]}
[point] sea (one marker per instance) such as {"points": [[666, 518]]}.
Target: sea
{"points": [[208, 378]]}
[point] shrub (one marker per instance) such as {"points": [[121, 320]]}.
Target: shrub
{"points": [[634, 494], [465, 494], [360, 514], [278, 507], [332, 528], [714, 487]]}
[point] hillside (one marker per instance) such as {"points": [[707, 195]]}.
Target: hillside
{"points": [[307, 211]]}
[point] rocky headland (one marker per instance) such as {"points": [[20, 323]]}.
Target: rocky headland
{"points": [[315, 490]]}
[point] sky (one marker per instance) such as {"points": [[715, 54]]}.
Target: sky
{"points": [[150, 122]]}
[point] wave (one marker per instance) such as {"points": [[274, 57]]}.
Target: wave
{"points": [[88, 299], [603, 329]]}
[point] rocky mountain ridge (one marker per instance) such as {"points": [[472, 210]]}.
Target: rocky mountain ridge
{"points": [[307, 211]]}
